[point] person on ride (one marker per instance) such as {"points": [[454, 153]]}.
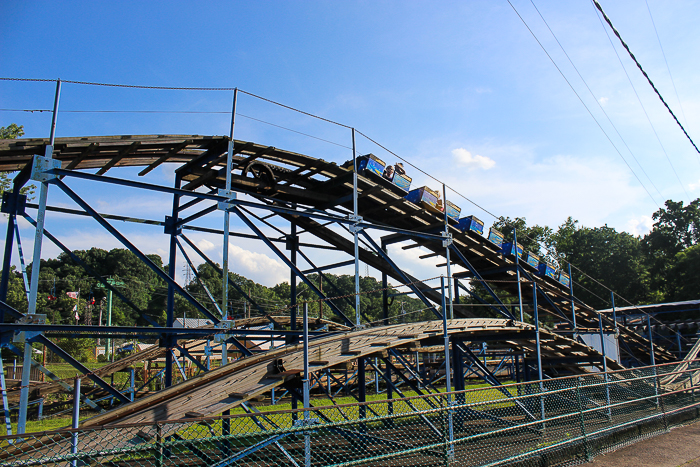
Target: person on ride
{"points": [[388, 173], [439, 201], [399, 169]]}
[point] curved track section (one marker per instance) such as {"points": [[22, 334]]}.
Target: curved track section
{"points": [[226, 387], [315, 184]]}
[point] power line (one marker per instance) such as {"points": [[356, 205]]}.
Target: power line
{"points": [[666, 61], [644, 73], [584, 104], [594, 98], [646, 114]]}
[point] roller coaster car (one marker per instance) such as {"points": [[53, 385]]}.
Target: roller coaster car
{"points": [[370, 163], [509, 249], [564, 279], [263, 173], [495, 237], [547, 270], [471, 224], [425, 197], [532, 259]]}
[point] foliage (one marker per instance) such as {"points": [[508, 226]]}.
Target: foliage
{"points": [[531, 238], [12, 131], [82, 349], [677, 227]]}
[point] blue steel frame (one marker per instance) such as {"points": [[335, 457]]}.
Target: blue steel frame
{"points": [[173, 226]]}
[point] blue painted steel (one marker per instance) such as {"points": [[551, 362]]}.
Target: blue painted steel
{"points": [[403, 276], [547, 270], [147, 332], [503, 310], [168, 280], [471, 223], [94, 273], [196, 275], [371, 163], [65, 356], [239, 202], [231, 281], [495, 237], [5, 403], [289, 264]]}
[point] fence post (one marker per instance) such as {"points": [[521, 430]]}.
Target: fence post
{"points": [[159, 445], [581, 420], [661, 399], [76, 419]]}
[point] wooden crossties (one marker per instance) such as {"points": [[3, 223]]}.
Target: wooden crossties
{"points": [[211, 393]]}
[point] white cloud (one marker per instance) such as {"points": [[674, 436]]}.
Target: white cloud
{"points": [[639, 226], [464, 157], [205, 245], [257, 266], [603, 101], [694, 186]]}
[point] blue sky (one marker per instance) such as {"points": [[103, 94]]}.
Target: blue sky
{"points": [[461, 89]]}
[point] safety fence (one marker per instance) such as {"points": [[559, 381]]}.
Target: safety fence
{"points": [[562, 420]]}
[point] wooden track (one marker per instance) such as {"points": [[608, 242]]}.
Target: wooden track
{"points": [[153, 353], [226, 387], [312, 183]]}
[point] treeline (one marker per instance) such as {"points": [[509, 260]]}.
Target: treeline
{"points": [[662, 266], [68, 294]]}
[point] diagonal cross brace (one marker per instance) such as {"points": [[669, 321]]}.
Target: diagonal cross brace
{"points": [[230, 281], [289, 264], [492, 380], [65, 356], [93, 273], [505, 312], [401, 274], [159, 272]]}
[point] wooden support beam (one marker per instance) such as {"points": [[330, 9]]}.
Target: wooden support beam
{"points": [[124, 152], [165, 157]]}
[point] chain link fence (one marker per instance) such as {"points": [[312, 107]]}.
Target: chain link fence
{"points": [[561, 421]]}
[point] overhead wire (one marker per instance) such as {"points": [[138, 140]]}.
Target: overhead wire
{"points": [[346, 126], [584, 104], [595, 98], [673, 82], [651, 83], [642, 105]]}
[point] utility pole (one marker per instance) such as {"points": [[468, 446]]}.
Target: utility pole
{"points": [[113, 283]]}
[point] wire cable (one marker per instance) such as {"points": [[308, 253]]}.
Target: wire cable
{"points": [[666, 62], [595, 98], [584, 104], [597, 4], [646, 114]]}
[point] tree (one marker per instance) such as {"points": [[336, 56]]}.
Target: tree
{"points": [[531, 238], [615, 259], [677, 228], [683, 274], [12, 131]]}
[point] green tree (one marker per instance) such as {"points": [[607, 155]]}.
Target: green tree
{"points": [[683, 275], [677, 228], [602, 254], [12, 131], [533, 239]]}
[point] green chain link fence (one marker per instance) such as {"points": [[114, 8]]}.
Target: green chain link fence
{"points": [[558, 421]]}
